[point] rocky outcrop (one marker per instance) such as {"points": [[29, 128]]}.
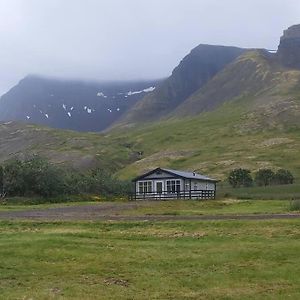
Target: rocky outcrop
{"points": [[289, 48]]}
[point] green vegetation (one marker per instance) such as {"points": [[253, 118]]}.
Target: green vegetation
{"points": [[240, 178], [295, 205], [210, 207], [263, 177], [281, 192], [213, 143], [142, 260], [22, 204], [36, 176], [283, 177]]}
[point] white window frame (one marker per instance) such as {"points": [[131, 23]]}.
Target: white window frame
{"points": [[172, 186], [145, 187]]}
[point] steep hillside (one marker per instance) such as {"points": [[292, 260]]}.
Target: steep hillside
{"points": [[64, 147], [194, 71], [76, 105], [255, 75], [232, 136]]}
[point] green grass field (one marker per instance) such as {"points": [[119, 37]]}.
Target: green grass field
{"points": [[144, 260], [280, 192], [211, 207]]}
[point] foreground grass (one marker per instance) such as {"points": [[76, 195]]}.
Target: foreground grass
{"points": [[287, 192], [176, 207], [210, 207], [21, 207], [182, 260]]}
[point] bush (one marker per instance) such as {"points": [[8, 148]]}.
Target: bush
{"points": [[33, 176], [283, 177], [240, 178], [295, 205], [13, 178], [264, 177], [37, 177]]}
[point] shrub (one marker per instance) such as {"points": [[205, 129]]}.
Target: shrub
{"points": [[32, 176], [13, 178], [264, 177], [295, 205], [240, 177], [36, 176], [283, 177]]}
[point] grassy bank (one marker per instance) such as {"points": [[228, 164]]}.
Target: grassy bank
{"points": [[174, 207], [281, 192], [183, 260], [210, 207]]}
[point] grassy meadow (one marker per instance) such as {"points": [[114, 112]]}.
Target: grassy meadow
{"points": [[272, 192], [213, 143], [145, 260], [210, 207]]}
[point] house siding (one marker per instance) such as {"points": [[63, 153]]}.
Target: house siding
{"points": [[189, 188], [164, 183]]}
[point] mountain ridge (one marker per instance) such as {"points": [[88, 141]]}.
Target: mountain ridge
{"points": [[71, 104], [194, 70]]}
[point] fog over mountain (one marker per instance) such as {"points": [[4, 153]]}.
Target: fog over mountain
{"points": [[118, 40]]}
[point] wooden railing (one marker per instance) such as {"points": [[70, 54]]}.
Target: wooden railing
{"points": [[165, 195]]}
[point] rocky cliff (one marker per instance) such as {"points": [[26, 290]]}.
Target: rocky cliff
{"points": [[289, 48]]}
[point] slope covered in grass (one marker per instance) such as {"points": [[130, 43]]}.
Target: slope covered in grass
{"points": [[215, 142]]}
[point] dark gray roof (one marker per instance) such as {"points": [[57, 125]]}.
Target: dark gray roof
{"points": [[189, 175], [182, 174]]}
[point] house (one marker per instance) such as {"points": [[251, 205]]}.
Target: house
{"points": [[171, 184]]}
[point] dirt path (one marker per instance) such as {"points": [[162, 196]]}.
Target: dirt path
{"points": [[112, 211]]}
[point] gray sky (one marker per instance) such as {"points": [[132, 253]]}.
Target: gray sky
{"points": [[128, 39]]}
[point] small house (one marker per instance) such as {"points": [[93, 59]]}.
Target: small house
{"points": [[163, 183]]}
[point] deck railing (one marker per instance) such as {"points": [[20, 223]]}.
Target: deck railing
{"points": [[165, 195]]}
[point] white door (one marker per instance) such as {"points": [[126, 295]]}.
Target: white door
{"points": [[159, 187]]}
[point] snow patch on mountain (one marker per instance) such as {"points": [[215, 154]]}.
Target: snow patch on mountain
{"points": [[88, 109], [147, 90], [101, 94]]}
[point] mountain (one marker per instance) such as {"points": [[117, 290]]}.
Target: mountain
{"points": [[76, 105], [193, 72], [256, 77], [269, 84], [245, 115], [288, 50]]}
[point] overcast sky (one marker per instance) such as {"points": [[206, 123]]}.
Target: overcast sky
{"points": [[128, 39]]}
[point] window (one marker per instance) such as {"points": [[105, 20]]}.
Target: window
{"points": [[173, 186], [187, 186], [195, 186], [145, 187]]}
